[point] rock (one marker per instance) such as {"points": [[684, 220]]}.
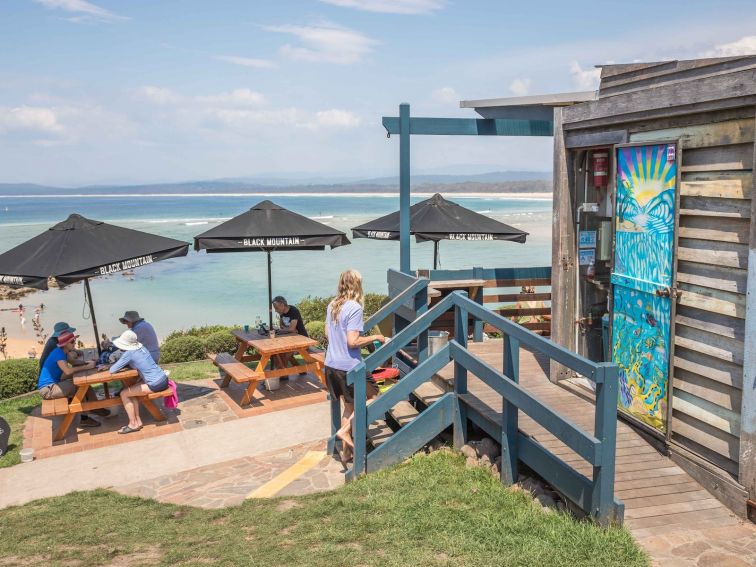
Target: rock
{"points": [[529, 485], [495, 470], [469, 451], [546, 501], [561, 506], [489, 448], [485, 461], [471, 462]]}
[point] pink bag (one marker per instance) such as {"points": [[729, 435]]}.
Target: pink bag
{"points": [[172, 401]]}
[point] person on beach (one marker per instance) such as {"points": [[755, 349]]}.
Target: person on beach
{"points": [[344, 327], [56, 376], [144, 332], [152, 378]]}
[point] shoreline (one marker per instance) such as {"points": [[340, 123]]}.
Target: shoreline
{"points": [[535, 196]]}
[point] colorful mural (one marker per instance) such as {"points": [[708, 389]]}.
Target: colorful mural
{"points": [[643, 266]]}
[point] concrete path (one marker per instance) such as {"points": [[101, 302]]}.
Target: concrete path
{"points": [[129, 463]]}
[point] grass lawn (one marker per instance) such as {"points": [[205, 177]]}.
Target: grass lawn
{"points": [[186, 371], [15, 412], [431, 510]]}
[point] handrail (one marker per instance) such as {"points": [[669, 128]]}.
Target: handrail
{"points": [[395, 303]]}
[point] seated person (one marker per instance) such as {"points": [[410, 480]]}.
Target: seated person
{"points": [[291, 322], [52, 342], [144, 331], [152, 378], [56, 376], [531, 304]]}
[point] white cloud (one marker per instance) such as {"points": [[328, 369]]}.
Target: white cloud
{"points": [[584, 79], [30, 120], [446, 95], [325, 43], [158, 95], [391, 6], [248, 61], [85, 10], [336, 118], [743, 46], [237, 97], [520, 87]]}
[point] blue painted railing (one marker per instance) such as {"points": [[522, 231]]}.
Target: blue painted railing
{"points": [[594, 496]]}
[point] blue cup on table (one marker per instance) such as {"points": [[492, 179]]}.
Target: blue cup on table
{"points": [[246, 328]]}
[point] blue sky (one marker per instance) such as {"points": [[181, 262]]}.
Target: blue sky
{"points": [[121, 91]]}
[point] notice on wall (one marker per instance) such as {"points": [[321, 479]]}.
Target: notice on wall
{"points": [[587, 256], [587, 239]]}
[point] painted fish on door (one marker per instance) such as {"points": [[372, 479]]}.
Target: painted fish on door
{"points": [[642, 274]]}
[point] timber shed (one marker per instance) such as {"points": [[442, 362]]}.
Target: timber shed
{"points": [[654, 252]]}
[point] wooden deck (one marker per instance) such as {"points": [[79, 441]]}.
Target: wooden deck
{"points": [[658, 495]]}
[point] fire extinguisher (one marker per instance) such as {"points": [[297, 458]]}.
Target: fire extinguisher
{"points": [[600, 168]]}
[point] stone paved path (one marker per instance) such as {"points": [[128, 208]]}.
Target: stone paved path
{"points": [[730, 546], [229, 483]]}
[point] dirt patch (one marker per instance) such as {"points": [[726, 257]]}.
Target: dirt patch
{"points": [[286, 505], [149, 556]]}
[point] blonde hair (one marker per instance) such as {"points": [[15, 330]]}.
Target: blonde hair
{"points": [[350, 288]]}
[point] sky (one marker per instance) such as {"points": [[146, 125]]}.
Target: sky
{"points": [[142, 91]]}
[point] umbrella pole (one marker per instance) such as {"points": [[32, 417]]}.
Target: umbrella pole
{"points": [[92, 314], [270, 294], [435, 254]]}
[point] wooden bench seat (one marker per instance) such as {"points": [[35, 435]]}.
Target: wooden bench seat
{"points": [[58, 406], [233, 369], [62, 406], [317, 354]]}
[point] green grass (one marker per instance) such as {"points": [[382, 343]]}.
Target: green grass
{"points": [[15, 412], [431, 510], [187, 371]]}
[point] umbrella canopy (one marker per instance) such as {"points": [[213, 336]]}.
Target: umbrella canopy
{"points": [[267, 227], [438, 219], [80, 248]]}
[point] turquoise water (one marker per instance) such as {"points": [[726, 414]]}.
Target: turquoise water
{"points": [[232, 288]]}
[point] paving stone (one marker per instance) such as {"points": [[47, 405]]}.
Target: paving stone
{"points": [[690, 550], [717, 559]]}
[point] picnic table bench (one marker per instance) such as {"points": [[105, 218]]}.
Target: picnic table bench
{"points": [[79, 403], [267, 350]]}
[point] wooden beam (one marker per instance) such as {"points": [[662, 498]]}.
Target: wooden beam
{"points": [[470, 126], [747, 456], [563, 253]]}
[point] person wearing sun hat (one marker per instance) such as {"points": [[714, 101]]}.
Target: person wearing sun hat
{"points": [[52, 341], [144, 332], [56, 376], [152, 378]]}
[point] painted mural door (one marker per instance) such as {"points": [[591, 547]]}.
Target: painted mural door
{"points": [[642, 278]]}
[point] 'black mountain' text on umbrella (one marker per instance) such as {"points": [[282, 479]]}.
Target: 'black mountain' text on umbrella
{"points": [[438, 219], [78, 249], [267, 227]]}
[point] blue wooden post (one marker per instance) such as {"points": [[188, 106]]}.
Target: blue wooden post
{"points": [[509, 417], [359, 422], [404, 188], [335, 423], [420, 305], [478, 324], [460, 375], [602, 498]]}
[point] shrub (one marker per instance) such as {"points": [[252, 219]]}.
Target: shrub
{"points": [[314, 308], [220, 341], [201, 332], [373, 302], [316, 330], [18, 376], [182, 349]]}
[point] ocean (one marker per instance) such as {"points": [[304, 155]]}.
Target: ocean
{"points": [[230, 289]]}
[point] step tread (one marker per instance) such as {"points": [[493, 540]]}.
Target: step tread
{"points": [[403, 413], [428, 392], [379, 432]]}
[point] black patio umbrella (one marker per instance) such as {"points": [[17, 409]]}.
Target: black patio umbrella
{"points": [[438, 219], [78, 249], [267, 227]]}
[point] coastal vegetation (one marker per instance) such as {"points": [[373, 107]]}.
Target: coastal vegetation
{"points": [[18, 376], [430, 510]]}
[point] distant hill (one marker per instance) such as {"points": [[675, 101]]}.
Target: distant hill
{"points": [[495, 182]]}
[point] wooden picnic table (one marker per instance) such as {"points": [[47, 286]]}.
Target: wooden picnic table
{"points": [[471, 286], [79, 403], [267, 350]]}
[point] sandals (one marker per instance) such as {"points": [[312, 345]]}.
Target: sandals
{"points": [[126, 429]]}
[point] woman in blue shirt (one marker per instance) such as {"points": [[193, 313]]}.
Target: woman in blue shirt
{"points": [[152, 377]]}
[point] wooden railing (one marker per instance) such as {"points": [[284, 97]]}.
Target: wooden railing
{"points": [[501, 293], [595, 496]]}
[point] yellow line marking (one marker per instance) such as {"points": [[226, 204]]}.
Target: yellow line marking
{"points": [[278, 483]]}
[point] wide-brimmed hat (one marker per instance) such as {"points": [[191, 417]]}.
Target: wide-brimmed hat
{"points": [[60, 328], [128, 341], [130, 317], [66, 337]]}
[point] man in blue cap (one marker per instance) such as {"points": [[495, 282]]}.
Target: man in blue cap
{"points": [[52, 342]]}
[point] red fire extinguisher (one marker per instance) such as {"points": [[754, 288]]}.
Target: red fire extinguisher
{"points": [[600, 168]]}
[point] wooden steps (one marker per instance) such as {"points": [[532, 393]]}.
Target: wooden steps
{"points": [[428, 392], [403, 413], [378, 433]]}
